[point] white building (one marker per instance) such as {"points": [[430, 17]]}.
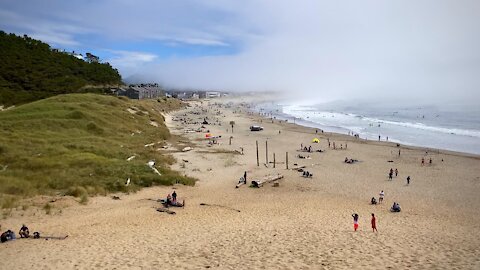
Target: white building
{"points": [[212, 94]]}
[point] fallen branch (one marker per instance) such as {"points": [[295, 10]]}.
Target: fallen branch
{"points": [[221, 206], [166, 210]]}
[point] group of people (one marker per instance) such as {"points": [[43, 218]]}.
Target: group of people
{"points": [[171, 199], [373, 222], [430, 161], [10, 235], [307, 174], [390, 174], [303, 157], [305, 148], [380, 198], [395, 207], [334, 146]]}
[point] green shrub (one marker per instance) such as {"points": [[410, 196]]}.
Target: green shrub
{"points": [[84, 199], [76, 191]]}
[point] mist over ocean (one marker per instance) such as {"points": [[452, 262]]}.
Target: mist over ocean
{"points": [[454, 128]]}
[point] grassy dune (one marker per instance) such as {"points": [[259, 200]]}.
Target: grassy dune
{"points": [[78, 144]]}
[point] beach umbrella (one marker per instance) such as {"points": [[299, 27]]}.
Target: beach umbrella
{"points": [[315, 140]]}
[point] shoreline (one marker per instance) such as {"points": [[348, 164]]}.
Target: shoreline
{"points": [[337, 129]]}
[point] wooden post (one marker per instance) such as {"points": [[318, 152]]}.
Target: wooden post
{"points": [[258, 163], [286, 159], [273, 160], [266, 152]]}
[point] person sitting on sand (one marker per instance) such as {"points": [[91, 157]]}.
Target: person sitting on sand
{"points": [[307, 174], [7, 236], [346, 160], [24, 232], [169, 200], [373, 200], [395, 207]]}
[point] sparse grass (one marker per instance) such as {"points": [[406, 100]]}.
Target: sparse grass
{"points": [[78, 144], [8, 202]]}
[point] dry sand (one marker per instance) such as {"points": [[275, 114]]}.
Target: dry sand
{"points": [[302, 224]]}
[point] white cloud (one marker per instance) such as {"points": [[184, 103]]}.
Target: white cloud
{"points": [[329, 49], [128, 61]]}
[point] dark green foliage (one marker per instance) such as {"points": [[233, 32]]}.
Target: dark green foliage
{"points": [[30, 70]]}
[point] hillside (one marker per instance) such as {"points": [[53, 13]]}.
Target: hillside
{"points": [[79, 143], [31, 70]]}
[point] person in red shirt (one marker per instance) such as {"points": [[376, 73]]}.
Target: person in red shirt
{"points": [[374, 223]]}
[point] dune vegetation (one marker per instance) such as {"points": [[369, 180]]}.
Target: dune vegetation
{"points": [[78, 144]]}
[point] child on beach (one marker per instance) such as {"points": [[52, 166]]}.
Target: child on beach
{"points": [[374, 223], [396, 172], [408, 180], [355, 221]]}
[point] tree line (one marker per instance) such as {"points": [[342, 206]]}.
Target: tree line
{"points": [[30, 70]]}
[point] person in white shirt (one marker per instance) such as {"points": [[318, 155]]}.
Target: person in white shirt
{"points": [[382, 194]]}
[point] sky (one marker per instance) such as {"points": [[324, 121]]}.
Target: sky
{"points": [[317, 50]]}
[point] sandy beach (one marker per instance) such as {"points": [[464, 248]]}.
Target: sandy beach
{"points": [[303, 223]]}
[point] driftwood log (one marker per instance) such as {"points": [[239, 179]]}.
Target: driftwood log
{"points": [[299, 168], [266, 179], [166, 210]]}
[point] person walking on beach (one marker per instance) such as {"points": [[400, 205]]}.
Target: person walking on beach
{"points": [[245, 178], [398, 152], [355, 221], [396, 172], [430, 162], [423, 161], [381, 195], [408, 180], [374, 223], [390, 174]]}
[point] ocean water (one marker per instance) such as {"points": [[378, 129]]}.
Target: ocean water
{"points": [[454, 128]]}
